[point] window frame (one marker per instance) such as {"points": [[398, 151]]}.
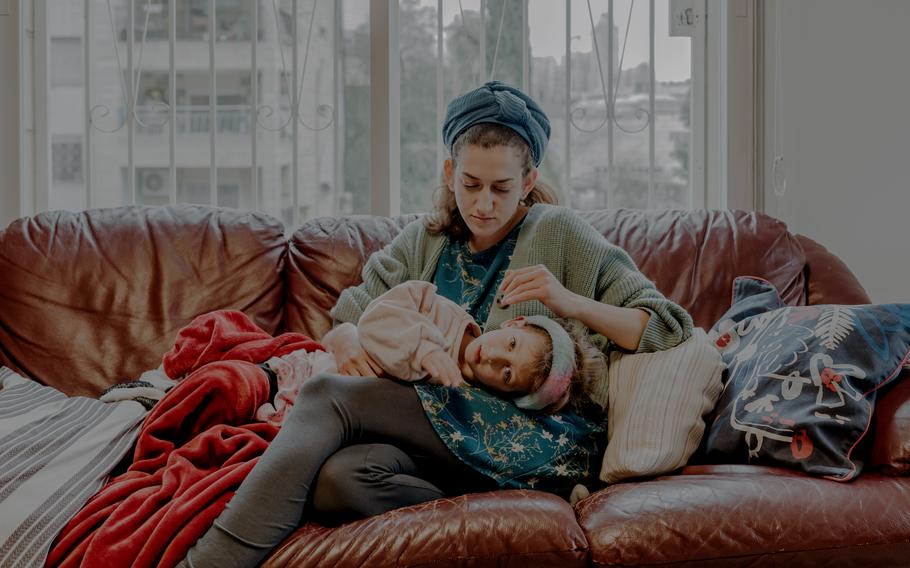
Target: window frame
{"points": [[734, 104]]}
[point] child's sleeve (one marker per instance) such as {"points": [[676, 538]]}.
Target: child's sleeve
{"points": [[396, 331], [383, 270]]}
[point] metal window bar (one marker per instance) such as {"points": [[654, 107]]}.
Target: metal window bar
{"points": [[213, 101], [502, 19], [295, 110], [611, 107], [338, 86], [172, 100], [525, 48], [440, 80], [483, 41], [254, 102], [43, 178], [698, 136], [87, 93], [131, 89], [652, 117], [567, 149], [26, 126]]}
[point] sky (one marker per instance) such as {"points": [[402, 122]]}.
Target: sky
{"points": [[546, 19]]}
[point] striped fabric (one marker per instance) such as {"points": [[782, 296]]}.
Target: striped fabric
{"points": [[55, 453], [656, 402]]}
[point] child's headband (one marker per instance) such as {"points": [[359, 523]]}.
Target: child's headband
{"points": [[561, 369]]}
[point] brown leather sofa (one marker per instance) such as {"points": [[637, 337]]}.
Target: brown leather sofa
{"points": [[89, 299]]}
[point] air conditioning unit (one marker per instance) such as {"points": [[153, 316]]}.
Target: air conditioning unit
{"points": [[152, 183]]}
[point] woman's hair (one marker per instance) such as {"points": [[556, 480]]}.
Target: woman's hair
{"points": [[590, 364], [445, 218]]}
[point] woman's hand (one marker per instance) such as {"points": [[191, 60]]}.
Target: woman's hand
{"points": [[442, 368], [537, 283], [624, 326], [350, 358]]}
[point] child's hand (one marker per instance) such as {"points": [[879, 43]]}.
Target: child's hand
{"points": [[350, 357], [442, 368]]}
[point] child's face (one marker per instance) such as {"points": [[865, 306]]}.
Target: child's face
{"points": [[502, 360]]}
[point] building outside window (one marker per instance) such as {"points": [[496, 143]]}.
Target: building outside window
{"points": [[295, 142], [67, 161]]}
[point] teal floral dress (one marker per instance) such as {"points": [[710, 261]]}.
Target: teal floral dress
{"points": [[520, 449]]}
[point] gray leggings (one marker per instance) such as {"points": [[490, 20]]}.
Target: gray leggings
{"points": [[369, 479], [361, 421]]}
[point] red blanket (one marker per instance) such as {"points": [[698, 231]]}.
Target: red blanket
{"points": [[194, 449]]}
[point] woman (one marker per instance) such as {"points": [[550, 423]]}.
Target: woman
{"points": [[495, 246]]}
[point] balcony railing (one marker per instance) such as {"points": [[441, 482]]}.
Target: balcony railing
{"points": [[152, 120]]}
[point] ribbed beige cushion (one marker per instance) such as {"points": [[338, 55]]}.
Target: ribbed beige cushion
{"points": [[656, 403]]}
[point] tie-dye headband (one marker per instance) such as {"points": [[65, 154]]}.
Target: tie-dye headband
{"points": [[561, 369]]}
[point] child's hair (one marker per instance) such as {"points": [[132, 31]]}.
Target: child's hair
{"points": [[445, 218], [590, 364]]}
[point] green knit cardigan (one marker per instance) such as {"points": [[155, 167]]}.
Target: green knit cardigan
{"points": [[579, 256]]}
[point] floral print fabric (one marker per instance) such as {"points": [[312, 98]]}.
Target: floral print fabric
{"points": [[471, 279], [517, 448]]}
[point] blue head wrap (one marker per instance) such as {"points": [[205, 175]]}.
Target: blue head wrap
{"points": [[502, 104]]}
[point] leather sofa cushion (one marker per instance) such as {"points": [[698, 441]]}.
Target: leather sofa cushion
{"points": [[891, 435], [748, 516], [90, 299], [504, 528]]}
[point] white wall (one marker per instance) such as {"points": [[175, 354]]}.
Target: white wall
{"points": [[844, 132], [9, 114]]}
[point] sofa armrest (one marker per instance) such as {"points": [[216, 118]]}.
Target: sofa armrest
{"points": [[890, 452], [829, 280]]}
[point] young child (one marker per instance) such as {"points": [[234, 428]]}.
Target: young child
{"points": [[413, 333]]}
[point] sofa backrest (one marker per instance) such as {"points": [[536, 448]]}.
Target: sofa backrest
{"points": [[327, 255], [90, 299], [93, 298], [692, 257]]}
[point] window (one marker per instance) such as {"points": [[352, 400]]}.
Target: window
{"points": [[191, 22], [619, 93], [290, 129], [66, 62], [67, 162], [152, 186]]}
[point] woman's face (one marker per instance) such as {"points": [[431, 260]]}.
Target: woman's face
{"points": [[488, 187], [503, 359]]}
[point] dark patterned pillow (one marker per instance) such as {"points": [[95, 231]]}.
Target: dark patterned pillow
{"points": [[800, 381]]}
